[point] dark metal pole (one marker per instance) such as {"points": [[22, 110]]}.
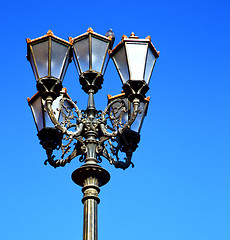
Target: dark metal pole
{"points": [[90, 200], [91, 177]]}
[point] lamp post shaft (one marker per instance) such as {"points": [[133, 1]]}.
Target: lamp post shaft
{"points": [[91, 177], [90, 201]]}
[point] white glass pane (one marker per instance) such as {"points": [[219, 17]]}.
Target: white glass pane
{"points": [[105, 64], [136, 53], [99, 51], [36, 107], [55, 108], [40, 51], [117, 109], [48, 122], [33, 66], [66, 64], [76, 63], [136, 126], [58, 56], [66, 110], [125, 116], [120, 61], [149, 65], [82, 54]]}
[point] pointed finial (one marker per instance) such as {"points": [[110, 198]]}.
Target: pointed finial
{"points": [[133, 36], [28, 40], [90, 30], [70, 40], [49, 33], [148, 37]]}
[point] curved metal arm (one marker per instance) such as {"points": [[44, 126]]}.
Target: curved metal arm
{"points": [[64, 130], [120, 130], [126, 164], [59, 162], [117, 163]]}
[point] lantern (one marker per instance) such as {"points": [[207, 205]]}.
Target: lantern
{"points": [[50, 137], [134, 59], [90, 51], [49, 57], [130, 137]]}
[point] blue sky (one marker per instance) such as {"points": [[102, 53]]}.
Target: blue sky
{"points": [[180, 186]]}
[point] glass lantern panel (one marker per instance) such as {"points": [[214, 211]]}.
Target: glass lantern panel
{"points": [[56, 110], [33, 66], [76, 63], [136, 53], [48, 122], [105, 64], [99, 51], [66, 64], [37, 110], [58, 56], [150, 62], [66, 110], [117, 110], [125, 116], [41, 53], [82, 54], [56, 106], [136, 126], [120, 61]]}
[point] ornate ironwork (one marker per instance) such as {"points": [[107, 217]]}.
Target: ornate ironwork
{"points": [[85, 132]]}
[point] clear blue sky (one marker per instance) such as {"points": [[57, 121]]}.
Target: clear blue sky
{"points": [[180, 186]]}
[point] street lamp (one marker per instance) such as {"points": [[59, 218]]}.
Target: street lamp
{"points": [[60, 123], [49, 57], [128, 140], [134, 59]]}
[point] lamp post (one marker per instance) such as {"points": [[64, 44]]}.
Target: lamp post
{"points": [[62, 126]]}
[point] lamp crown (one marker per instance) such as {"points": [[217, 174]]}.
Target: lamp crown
{"points": [[133, 36], [49, 33], [71, 40], [89, 30]]}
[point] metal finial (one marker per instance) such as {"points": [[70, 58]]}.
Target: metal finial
{"points": [[133, 36], [49, 33], [89, 30]]}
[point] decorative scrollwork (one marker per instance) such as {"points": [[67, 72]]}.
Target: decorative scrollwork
{"points": [[82, 125], [118, 126]]}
